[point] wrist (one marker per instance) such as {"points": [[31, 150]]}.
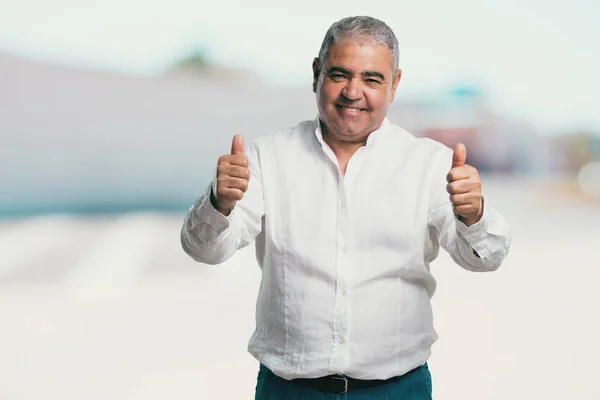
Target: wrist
{"points": [[215, 204], [469, 221], [473, 220]]}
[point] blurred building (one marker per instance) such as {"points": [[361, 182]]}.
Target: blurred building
{"points": [[495, 144]]}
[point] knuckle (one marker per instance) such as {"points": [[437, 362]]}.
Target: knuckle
{"points": [[222, 196], [239, 161]]}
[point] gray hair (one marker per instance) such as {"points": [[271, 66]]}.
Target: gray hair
{"points": [[364, 29]]}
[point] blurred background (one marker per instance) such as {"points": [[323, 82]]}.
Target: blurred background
{"points": [[113, 115]]}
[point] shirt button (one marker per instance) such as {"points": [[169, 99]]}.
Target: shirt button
{"points": [[344, 292], [342, 340]]}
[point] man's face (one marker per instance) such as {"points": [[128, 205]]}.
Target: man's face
{"points": [[354, 89]]}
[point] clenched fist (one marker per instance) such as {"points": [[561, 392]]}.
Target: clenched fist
{"points": [[232, 177], [464, 187]]}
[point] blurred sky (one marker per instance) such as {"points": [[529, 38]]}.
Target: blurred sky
{"points": [[536, 60]]}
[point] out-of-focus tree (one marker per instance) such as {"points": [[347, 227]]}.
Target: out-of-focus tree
{"points": [[197, 59], [197, 63]]}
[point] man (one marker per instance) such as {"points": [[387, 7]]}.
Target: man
{"points": [[347, 213]]}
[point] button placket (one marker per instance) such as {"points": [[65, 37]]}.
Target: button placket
{"points": [[339, 357]]}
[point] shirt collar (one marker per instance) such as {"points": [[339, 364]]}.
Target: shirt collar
{"points": [[371, 139]]}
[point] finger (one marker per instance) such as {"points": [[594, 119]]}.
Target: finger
{"points": [[237, 159], [458, 173], [228, 182], [230, 194], [237, 145], [232, 159], [236, 171], [225, 170], [459, 157], [238, 183], [463, 199], [459, 186]]}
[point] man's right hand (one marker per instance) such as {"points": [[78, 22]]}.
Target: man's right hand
{"points": [[232, 177]]}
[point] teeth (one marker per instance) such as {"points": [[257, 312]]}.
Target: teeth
{"points": [[351, 108]]}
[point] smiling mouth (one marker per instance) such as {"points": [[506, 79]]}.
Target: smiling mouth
{"points": [[348, 109]]}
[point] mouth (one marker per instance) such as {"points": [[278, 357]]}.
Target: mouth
{"points": [[350, 111]]}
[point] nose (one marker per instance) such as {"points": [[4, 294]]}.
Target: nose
{"points": [[352, 90]]}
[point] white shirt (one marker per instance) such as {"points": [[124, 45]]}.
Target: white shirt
{"points": [[346, 285]]}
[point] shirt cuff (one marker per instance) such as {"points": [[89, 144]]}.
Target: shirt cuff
{"points": [[205, 213], [476, 234]]}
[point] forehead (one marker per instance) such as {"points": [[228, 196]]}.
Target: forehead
{"points": [[359, 57]]}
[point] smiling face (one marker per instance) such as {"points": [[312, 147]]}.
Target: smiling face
{"points": [[354, 89]]}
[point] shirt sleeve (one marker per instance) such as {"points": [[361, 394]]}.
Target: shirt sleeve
{"points": [[490, 237], [212, 238]]}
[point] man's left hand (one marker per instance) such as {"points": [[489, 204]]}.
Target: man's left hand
{"points": [[464, 187]]}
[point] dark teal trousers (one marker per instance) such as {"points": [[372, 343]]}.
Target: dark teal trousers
{"points": [[415, 385]]}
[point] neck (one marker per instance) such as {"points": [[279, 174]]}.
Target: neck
{"points": [[342, 147], [343, 150]]}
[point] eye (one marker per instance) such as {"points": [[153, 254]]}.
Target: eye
{"points": [[373, 81], [337, 77]]}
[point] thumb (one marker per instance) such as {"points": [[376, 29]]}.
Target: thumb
{"points": [[460, 155], [237, 145]]}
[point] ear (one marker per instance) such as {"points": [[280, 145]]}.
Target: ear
{"points": [[395, 83], [315, 68]]}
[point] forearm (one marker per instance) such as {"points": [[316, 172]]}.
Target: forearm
{"points": [[206, 234]]}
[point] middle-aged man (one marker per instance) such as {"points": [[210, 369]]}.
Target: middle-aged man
{"points": [[347, 212]]}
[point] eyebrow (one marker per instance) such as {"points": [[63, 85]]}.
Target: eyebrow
{"points": [[373, 74], [369, 74]]}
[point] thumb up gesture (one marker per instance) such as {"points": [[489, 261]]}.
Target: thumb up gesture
{"points": [[232, 177], [464, 187]]}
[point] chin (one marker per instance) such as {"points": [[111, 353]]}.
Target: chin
{"points": [[351, 130]]}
